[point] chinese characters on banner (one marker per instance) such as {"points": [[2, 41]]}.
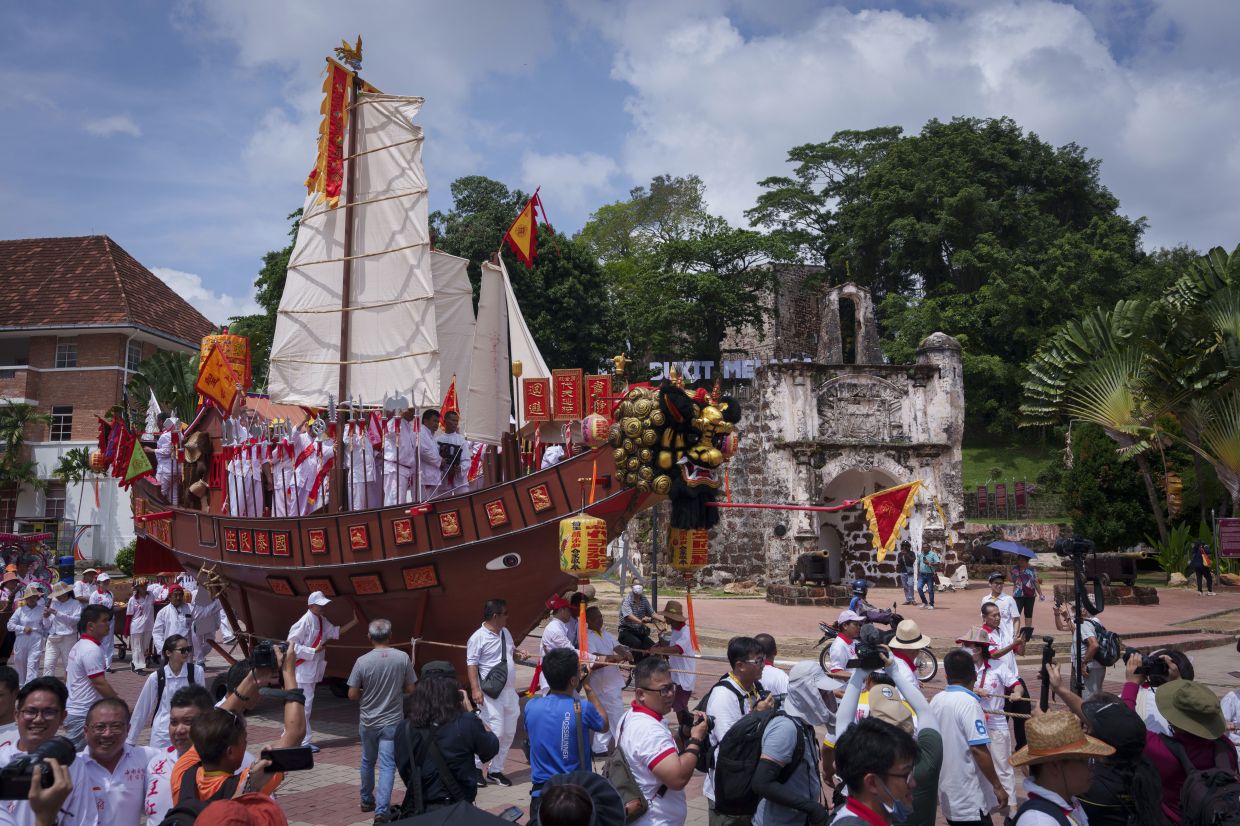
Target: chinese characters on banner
{"points": [[583, 546], [690, 548], [566, 392], [236, 351], [598, 388], [537, 394], [217, 381]]}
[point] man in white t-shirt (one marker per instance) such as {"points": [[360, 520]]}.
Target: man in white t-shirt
{"points": [[85, 586], [141, 612], [606, 679], [774, 678], [969, 787], [679, 652], [651, 752], [1003, 645], [1095, 672], [844, 646], [86, 674], [102, 595], [734, 696], [1009, 611], [40, 713], [116, 771], [556, 634], [490, 645]]}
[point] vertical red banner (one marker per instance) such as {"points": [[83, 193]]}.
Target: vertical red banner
{"points": [[537, 395], [566, 392], [598, 388]]}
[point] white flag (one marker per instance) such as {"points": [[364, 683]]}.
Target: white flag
{"points": [[152, 410]]}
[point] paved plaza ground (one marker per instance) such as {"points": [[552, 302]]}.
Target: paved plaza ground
{"points": [[327, 795]]}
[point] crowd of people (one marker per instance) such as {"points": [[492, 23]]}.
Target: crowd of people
{"points": [[862, 743]]}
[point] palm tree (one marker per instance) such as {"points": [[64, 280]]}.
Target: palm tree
{"points": [[74, 469], [17, 472], [1096, 369], [171, 376]]}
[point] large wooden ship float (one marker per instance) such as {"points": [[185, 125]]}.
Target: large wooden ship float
{"points": [[428, 568]]}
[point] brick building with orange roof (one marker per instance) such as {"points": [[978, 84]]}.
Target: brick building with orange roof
{"points": [[77, 317]]}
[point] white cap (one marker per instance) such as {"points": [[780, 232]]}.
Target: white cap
{"points": [[637, 589], [317, 598], [849, 616], [104, 578]]}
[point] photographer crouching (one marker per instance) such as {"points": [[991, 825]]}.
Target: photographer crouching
{"points": [[209, 770]]}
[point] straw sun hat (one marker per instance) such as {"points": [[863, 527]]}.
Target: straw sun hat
{"points": [[1057, 735]]}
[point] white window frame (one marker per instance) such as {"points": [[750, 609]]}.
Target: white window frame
{"points": [[66, 353], [64, 428]]}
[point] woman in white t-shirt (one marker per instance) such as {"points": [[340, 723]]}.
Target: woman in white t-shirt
{"points": [[155, 701]]}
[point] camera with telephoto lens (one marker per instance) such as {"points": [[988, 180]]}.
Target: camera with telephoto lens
{"points": [[1074, 546], [263, 655], [1153, 667], [15, 777], [869, 651]]}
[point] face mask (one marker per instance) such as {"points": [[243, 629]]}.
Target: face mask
{"points": [[898, 811]]}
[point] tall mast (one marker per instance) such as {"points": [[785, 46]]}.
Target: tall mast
{"points": [[339, 493]]}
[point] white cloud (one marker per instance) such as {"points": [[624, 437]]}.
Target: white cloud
{"points": [[218, 307], [709, 98], [578, 180], [113, 125]]}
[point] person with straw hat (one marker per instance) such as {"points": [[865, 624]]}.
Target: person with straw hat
{"points": [[679, 651], [85, 586], [26, 622], [1060, 757], [994, 679], [1198, 733], [61, 615]]}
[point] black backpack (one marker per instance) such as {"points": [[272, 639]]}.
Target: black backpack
{"points": [[706, 760], [1110, 646], [1209, 797], [1038, 804], [189, 805], [736, 760], [162, 681]]}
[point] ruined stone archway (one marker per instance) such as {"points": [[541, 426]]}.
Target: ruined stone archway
{"points": [[845, 535]]}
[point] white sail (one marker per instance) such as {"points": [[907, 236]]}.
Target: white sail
{"points": [[521, 343], [486, 405], [454, 320], [393, 344]]}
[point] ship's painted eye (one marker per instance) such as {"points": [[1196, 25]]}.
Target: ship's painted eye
{"points": [[499, 563]]}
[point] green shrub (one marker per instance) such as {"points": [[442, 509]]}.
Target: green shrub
{"points": [[1172, 555], [124, 558]]}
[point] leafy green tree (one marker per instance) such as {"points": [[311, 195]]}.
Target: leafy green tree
{"points": [[1103, 493], [680, 277], [260, 328], [74, 469], [482, 210]]}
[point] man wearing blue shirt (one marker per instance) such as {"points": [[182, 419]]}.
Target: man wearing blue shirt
{"points": [[558, 743]]}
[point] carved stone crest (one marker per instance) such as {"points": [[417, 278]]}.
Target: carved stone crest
{"points": [[860, 408]]}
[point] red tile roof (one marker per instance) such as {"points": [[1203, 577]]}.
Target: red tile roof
{"points": [[89, 281]]}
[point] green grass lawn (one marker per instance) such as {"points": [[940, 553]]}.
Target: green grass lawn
{"points": [[1018, 462]]}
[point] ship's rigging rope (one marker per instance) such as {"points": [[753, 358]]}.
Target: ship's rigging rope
{"points": [[324, 310], [284, 360], [299, 264], [419, 191]]}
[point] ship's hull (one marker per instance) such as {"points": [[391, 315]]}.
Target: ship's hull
{"points": [[429, 573]]}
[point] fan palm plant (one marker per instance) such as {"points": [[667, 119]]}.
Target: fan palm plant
{"points": [[170, 376]]}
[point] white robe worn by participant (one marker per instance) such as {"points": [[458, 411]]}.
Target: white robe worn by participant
{"points": [[608, 683], [206, 621], [283, 481], [28, 626], [362, 473], [429, 465], [141, 613], [165, 464], [399, 452], [171, 620], [454, 480], [556, 635], [62, 633], [305, 636]]}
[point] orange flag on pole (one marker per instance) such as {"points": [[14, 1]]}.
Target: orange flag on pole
{"points": [[217, 381], [522, 236], [887, 511], [449, 400]]}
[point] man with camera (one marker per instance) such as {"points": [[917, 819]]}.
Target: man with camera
{"points": [[307, 640], [115, 770], [559, 724], [661, 771], [1095, 672], [40, 713], [219, 736]]}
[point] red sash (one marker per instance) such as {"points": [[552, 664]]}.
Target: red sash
{"points": [[317, 639], [304, 455]]}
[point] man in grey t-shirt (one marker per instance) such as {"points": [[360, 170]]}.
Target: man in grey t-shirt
{"points": [[380, 679]]}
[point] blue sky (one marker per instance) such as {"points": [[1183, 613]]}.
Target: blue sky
{"points": [[184, 129]]}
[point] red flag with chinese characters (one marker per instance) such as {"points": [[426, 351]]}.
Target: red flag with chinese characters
{"points": [[887, 511], [449, 400], [217, 381]]}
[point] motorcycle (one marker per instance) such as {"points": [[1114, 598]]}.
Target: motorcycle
{"points": [[926, 661]]}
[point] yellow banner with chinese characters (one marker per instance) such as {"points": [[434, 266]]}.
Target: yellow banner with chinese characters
{"points": [[217, 381]]}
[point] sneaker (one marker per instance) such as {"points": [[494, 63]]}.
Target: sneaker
{"points": [[498, 777], [930, 607], [1210, 593], [368, 807], [923, 606], [482, 781], [381, 818]]}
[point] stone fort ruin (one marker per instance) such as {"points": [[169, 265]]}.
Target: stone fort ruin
{"points": [[828, 419]]}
